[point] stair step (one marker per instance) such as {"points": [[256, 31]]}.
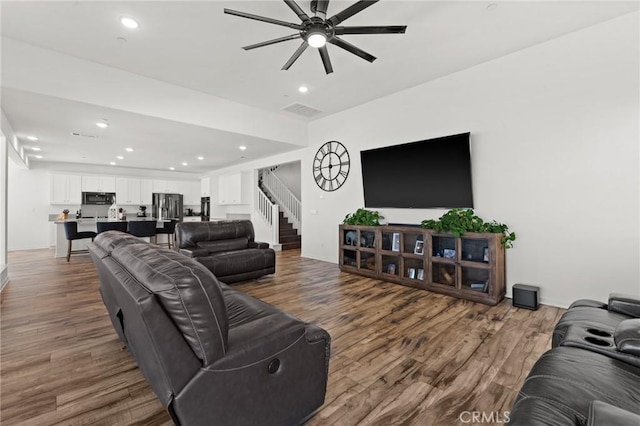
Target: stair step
{"points": [[285, 225], [290, 239], [288, 232], [291, 246]]}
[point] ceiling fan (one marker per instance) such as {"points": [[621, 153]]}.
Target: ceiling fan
{"points": [[318, 30]]}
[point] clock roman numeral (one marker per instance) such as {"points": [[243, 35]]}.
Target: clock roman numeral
{"points": [[343, 173]]}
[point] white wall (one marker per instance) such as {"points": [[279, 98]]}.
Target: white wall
{"points": [[289, 174], [554, 135], [29, 193], [4, 276]]}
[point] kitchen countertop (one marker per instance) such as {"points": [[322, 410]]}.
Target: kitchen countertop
{"points": [[104, 219]]}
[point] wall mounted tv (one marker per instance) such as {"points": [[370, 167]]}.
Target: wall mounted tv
{"points": [[426, 174]]}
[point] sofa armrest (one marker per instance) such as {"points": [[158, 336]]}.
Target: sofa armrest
{"points": [[258, 245], [195, 252], [626, 304], [603, 414], [627, 336]]}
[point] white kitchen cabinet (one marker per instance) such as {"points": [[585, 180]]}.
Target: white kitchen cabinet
{"points": [[166, 186], [230, 189], [190, 193], [127, 191], [66, 189], [146, 192], [95, 183], [192, 219], [205, 187]]}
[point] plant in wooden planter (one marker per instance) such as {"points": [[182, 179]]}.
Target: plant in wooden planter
{"points": [[363, 217], [459, 221]]}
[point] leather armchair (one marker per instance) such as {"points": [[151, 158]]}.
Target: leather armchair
{"points": [[226, 248], [211, 354]]}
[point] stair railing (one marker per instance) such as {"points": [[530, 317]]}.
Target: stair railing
{"points": [[284, 197], [270, 213]]}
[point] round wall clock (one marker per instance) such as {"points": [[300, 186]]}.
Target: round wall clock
{"points": [[331, 166]]}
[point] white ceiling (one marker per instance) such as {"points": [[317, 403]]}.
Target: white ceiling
{"points": [[196, 46]]}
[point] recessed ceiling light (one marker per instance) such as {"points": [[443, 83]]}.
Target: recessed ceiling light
{"points": [[303, 89], [129, 149], [120, 157], [185, 163], [32, 138], [492, 6], [112, 163], [172, 168], [242, 147], [201, 158], [38, 156], [102, 125], [129, 22], [121, 39], [35, 148]]}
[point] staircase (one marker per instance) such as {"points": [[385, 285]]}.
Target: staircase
{"points": [[289, 237]]}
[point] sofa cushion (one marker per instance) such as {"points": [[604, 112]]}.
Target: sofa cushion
{"points": [[627, 336], [188, 292], [189, 234], [234, 262], [217, 246]]}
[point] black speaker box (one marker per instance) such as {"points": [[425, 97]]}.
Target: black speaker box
{"points": [[525, 296]]}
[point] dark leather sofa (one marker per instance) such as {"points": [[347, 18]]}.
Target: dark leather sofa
{"points": [[591, 376], [212, 354], [226, 248]]}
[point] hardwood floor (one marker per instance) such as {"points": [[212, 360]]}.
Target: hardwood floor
{"points": [[399, 355]]}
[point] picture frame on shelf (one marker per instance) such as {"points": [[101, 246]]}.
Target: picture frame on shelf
{"points": [[449, 253], [395, 244], [485, 254], [412, 273], [420, 274], [419, 248]]}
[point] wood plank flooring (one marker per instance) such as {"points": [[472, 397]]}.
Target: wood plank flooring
{"points": [[399, 355]]}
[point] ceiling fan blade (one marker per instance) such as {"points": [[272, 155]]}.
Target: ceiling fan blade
{"points": [[270, 42], [351, 10], [389, 29], [324, 54], [321, 9], [263, 19], [298, 10], [352, 49], [295, 55]]}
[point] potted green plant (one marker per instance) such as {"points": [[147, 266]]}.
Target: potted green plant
{"points": [[363, 217], [459, 221]]}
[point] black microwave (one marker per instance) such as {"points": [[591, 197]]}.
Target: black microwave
{"points": [[98, 198]]}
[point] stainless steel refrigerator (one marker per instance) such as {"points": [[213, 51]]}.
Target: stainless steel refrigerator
{"points": [[167, 206]]}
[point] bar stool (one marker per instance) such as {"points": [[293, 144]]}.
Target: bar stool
{"points": [[169, 230], [111, 226], [143, 228], [71, 231]]}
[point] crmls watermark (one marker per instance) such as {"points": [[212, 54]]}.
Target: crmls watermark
{"points": [[479, 417]]}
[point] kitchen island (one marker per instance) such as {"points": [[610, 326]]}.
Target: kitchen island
{"points": [[89, 224]]}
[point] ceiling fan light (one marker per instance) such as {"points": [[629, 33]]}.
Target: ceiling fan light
{"points": [[317, 40]]}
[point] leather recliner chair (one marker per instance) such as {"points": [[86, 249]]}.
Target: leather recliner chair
{"points": [[226, 248], [211, 354], [592, 374]]}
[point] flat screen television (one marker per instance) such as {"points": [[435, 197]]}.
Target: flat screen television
{"points": [[433, 173]]}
